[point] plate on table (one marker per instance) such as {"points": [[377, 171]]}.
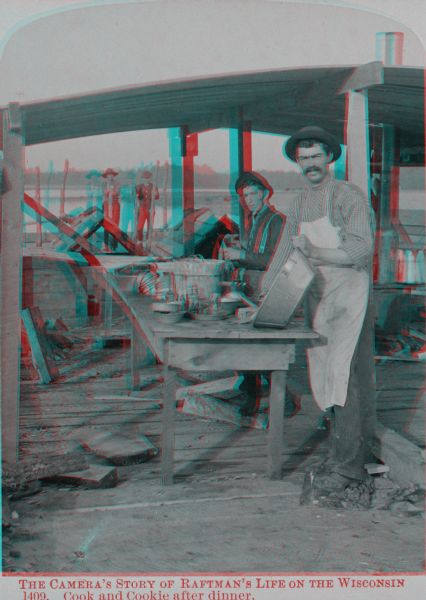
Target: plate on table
{"points": [[217, 316], [168, 318]]}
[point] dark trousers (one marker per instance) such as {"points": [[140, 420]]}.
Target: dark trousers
{"points": [[353, 426], [113, 214]]}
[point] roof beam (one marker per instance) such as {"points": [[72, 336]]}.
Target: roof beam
{"points": [[364, 77]]}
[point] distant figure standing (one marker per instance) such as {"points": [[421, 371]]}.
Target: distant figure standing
{"points": [[146, 193], [111, 195], [93, 189], [128, 201]]}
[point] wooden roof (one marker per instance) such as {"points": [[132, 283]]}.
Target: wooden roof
{"points": [[278, 101]]}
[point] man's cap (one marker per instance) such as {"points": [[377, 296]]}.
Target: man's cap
{"points": [[109, 171], [312, 132], [253, 178], [93, 173]]}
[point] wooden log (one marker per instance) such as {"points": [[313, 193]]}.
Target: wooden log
{"points": [[217, 355], [84, 225], [94, 477], [210, 408], [376, 469], [40, 467], [209, 387], [40, 349], [119, 450], [63, 228], [405, 460]]}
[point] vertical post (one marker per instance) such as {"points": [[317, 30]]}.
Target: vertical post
{"points": [[357, 140], [244, 164], [39, 230], [240, 158], [175, 149], [10, 279], [234, 170], [49, 184], [389, 49], [276, 423], [107, 304], [339, 166], [151, 220], [165, 194], [63, 188], [78, 283], [27, 282], [135, 357], [189, 150], [169, 410], [388, 206]]}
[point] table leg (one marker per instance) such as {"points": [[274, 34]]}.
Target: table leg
{"points": [[107, 309], [276, 423], [135, 358], [169, 411]]}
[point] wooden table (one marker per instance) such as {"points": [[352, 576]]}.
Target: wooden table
{"points": [[218, 346]]}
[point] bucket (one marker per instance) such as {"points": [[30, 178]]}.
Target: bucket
{"points": [[191, 279]]}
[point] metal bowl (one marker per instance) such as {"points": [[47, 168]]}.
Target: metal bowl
{"points": [[229, 305], [165, 307]]}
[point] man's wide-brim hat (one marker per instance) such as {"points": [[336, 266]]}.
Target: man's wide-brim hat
{"points": [[312, 132], [253, 178], [109, 171]]}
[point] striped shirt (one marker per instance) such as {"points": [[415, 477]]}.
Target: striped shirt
{"points": [[266, 230], [347, 208]]}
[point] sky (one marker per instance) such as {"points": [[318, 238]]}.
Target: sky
{"points": [[133, 148]]}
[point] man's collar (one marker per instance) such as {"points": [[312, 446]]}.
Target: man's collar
{"points": [[259, 211], [321, 185]]}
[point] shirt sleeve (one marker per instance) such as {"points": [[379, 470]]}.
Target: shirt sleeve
{"points": [[281, 254], [358, 227]]}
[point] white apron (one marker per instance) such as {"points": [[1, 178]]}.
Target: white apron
{"points": [[338, 303]]}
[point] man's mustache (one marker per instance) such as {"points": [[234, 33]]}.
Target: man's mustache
{"points": [[312, 170]]}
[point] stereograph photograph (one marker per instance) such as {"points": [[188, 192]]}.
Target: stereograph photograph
{"points": [[212, 299]]}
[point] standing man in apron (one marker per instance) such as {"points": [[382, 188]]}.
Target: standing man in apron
{"points": [[335, 231]]}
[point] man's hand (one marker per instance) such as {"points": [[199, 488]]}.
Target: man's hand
{"points": [[321, 256], [304, 245], [232, 253]]}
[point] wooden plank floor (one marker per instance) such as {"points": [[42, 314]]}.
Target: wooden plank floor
{"points": [[94, 393], [96, 396]]}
